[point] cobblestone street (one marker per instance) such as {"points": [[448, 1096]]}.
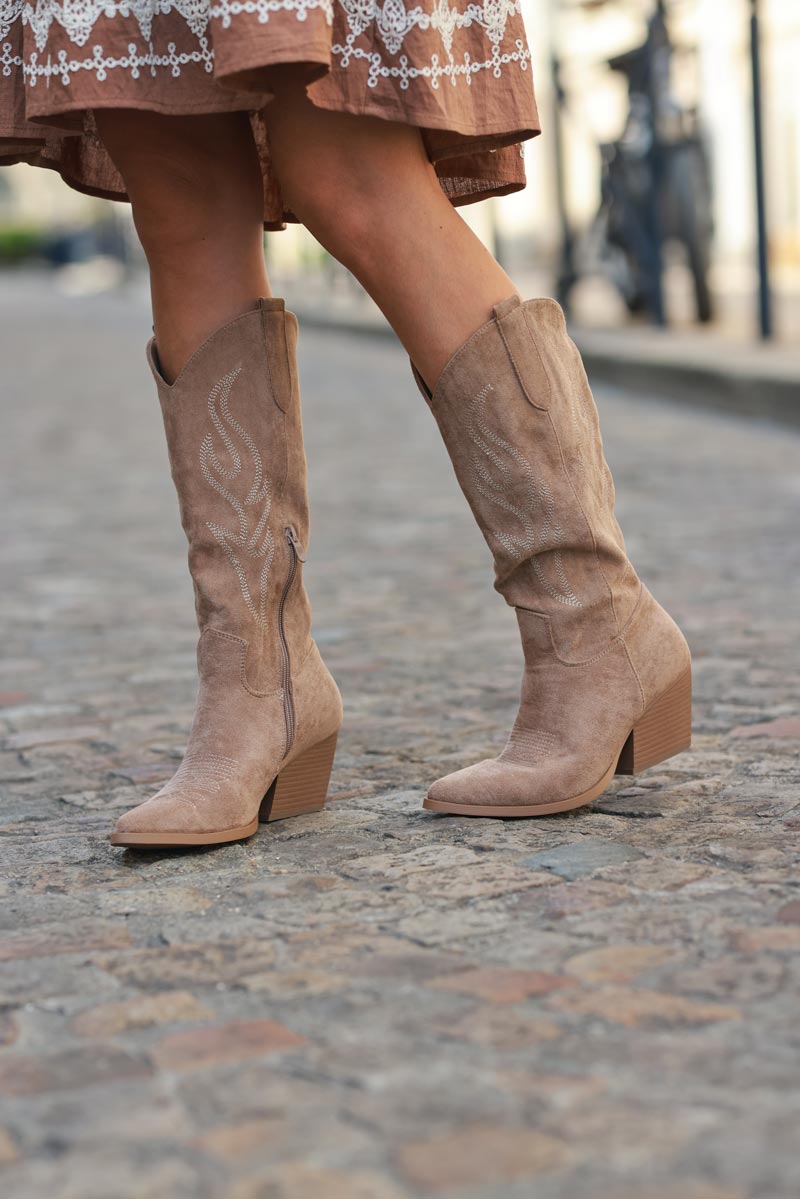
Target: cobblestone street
{"points": [[376, 1002]]}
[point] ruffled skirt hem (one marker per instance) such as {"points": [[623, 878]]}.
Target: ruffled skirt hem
{"points": [[462, 76]]}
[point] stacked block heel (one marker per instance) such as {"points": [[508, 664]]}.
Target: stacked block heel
{"points": [[665, 729], [302, 786]]}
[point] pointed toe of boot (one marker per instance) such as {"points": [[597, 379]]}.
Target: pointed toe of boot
{"points": [[500, 788], [133, 823], [477, 790], [450, 789], [166, 821], [146, 822]]}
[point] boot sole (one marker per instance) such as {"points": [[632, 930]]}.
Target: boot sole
{"points": [[663, 730], [299, 789]]}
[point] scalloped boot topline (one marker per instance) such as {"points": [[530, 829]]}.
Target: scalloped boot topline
{"points": [[268, 711], [607, 681]]}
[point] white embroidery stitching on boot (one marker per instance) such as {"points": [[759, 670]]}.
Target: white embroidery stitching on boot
{"points": [[202, 774], [259, 543], [528, 745]]}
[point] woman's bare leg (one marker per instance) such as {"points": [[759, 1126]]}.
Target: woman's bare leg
{"points": [[196, 189], [367, 191]]}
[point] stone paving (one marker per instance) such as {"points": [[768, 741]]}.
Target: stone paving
{"points": [[377, 1003]]}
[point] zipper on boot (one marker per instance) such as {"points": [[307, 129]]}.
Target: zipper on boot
{"points": [[296, 554]]}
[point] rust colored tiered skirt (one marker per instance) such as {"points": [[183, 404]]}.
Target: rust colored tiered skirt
{"points": [[457, 69]]}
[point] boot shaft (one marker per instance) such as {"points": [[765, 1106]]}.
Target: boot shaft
{"points": [[234, 435], [518, 418]]}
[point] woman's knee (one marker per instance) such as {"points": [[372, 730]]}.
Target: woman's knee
{"points": [[186, 181], [346, 208], [174, 204], [341, 221], [349, 191]]}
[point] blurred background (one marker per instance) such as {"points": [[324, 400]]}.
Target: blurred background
{"points": [[665, 191]]}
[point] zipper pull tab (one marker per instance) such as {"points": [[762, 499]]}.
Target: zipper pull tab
{"points": [[295, 543]]}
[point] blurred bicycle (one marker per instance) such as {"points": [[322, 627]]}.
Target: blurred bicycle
{"points": [[655, 186]]}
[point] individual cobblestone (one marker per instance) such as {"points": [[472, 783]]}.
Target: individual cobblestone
{"points": [[377, 1003], [577, 859]]}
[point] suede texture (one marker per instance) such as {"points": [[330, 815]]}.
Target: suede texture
{"points": [[234, 434], [518, 418]]}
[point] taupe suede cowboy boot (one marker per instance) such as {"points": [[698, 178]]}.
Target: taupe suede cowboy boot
{"points": [[268, 711], [607, 683]]}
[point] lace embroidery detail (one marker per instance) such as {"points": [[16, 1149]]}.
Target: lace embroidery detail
{"points": [[244, 546], [405, 72], [223, 10], [537, 518], [78, 17], [393, 22], [61, 66], [386, 24]]}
